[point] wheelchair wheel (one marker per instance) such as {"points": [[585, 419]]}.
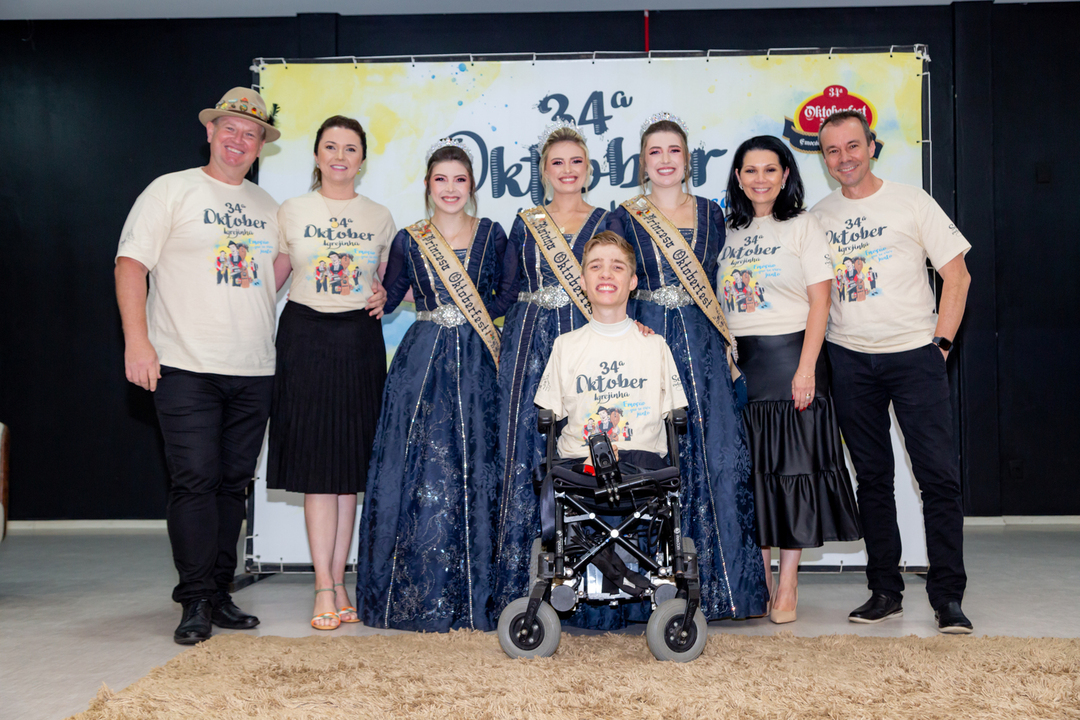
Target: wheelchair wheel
{"points": [[662, 633], [541, 640]]}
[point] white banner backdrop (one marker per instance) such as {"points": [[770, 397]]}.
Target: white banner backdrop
{"points": [[500, 107]]}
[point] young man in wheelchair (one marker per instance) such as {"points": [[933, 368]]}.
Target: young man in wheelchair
{"points": [[606, 378], [610, 495]]}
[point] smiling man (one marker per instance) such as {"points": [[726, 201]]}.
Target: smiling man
{"points": [[609, 365], [890, 346], [205, 348]]}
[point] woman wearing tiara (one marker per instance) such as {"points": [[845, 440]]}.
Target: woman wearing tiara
{"points": [[426, 529], [546, 244], [677, 238]]}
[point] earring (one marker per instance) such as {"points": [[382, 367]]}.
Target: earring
{"points": [[783, 185], [741, 187]]}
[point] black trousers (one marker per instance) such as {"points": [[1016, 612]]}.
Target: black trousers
{"points": [[915, 382], [213, 427]]}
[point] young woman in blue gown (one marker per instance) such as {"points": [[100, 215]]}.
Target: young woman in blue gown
{"points": [[425, 540], [543, 312], [718, 500]]}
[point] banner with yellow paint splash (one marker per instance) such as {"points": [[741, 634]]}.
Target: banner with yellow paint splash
{"points": [[500, 108]]}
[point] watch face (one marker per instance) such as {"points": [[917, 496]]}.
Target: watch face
{"points": [[943, 343]]}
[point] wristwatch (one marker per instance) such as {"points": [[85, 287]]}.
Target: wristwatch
{"points": [[942, 343]]}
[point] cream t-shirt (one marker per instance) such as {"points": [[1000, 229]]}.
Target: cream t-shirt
{"points": [[335, 247], [882, 301], [611, 378], [210, 249], [764, 270]]}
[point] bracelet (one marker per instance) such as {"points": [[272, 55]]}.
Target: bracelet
{"points": [[806, 376]]}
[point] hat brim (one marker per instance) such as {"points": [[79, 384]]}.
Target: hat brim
{"points": [[211, 114]]}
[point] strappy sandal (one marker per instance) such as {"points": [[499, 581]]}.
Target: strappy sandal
{"points": [[326, 615], [347, 608]]}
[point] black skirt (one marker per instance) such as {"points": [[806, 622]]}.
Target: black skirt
{"points": [[331, 368], [802, 490]]}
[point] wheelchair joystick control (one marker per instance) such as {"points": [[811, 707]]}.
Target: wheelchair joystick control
{"points": [[605, 466]]}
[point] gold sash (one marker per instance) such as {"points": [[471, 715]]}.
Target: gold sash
{"points": [[686, 266], [560, 257], [457, 282]]}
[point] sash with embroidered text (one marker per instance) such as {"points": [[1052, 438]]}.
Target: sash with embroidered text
{"points": [[686, 266], [457, 282], [560, 258]]}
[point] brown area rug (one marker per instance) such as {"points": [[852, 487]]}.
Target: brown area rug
{"points": [[466, 675]]}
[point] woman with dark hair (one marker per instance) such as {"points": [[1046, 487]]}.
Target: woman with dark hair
{"points": [[331, 360], [802, 491], [425, 552], [677, 238]]}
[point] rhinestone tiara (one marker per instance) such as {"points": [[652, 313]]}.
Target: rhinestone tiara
{"points": [[448, 142], [558, 125], [657, 117]]}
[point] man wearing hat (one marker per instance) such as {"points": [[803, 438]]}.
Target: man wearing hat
{"points": [[204, 348]]}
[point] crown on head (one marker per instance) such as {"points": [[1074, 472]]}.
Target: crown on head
{"points": [[558, 125], [448, 142], [657, 117]]}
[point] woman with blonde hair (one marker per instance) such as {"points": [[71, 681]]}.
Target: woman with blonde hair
{"points": [[546, 243]]}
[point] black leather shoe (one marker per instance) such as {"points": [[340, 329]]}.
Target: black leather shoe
{"points": [[879, 607], [227, 615], [195, 627], [951, 619]]}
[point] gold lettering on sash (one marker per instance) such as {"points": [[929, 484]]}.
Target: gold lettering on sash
{"points": [[560, 257], [457, 281], [686, 266]]}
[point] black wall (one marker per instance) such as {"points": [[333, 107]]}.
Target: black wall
{"points": [[92, 111], [1035, 111]]}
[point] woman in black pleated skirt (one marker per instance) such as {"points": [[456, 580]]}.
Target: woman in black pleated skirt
{"points": [[331, 358], [775, 278]]}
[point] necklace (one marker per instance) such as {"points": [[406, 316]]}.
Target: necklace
{"points": [[334, 222], [469, 226], [560, 225]]}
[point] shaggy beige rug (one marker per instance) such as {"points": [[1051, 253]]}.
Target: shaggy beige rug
{"points": [[466, 675]]}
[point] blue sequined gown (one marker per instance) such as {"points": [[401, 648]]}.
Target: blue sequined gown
{"points": [[425, 539], [718, 499], [528, 333]]}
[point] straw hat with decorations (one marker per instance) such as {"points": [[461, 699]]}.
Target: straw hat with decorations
{"points": [[245, 103]]}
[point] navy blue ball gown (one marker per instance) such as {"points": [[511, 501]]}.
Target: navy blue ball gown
{"points": [[718, 499], [529, 330], [425, 539]]}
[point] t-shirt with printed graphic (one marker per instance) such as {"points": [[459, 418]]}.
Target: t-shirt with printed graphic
{"points": [[882, 301], [210, 248], [611, 379], [335, 247], [764, 270]]}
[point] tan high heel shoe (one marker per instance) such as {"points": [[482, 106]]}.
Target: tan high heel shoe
{"points": [[785, 616]]}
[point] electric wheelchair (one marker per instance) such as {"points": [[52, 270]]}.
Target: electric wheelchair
{"points": [[610, 542]]}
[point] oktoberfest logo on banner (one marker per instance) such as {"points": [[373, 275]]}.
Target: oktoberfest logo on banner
{"points": [[499, 106], [802, 131]]}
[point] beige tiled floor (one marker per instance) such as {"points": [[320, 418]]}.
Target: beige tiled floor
{"points": [[80, 609]]}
